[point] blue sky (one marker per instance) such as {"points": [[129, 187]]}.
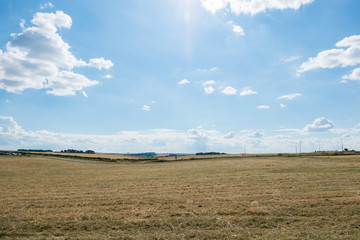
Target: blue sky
{"points": [[180, 75]]}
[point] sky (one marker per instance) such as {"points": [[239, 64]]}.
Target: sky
{"points": [[180, 76]]}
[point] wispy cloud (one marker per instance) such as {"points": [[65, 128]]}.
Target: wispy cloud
{"points": [[290, 59], [209, 82], [145, 108], [213, 69], [263, 107], [290, 96]]}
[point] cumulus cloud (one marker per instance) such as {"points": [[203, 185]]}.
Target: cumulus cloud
{"points": [[13, 136], [236, 28], [208, 90], [347, 54], [230, 135], [247, 91], [252, 6], [290, 96], [229, 91], [263, 107], [319, 125], [39, 58], [184, 81], [100, 63], [108, 76], [256, 134], [355, 75]]}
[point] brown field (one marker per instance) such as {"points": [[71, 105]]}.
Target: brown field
{"points": [[221, 198], [96, 155]]}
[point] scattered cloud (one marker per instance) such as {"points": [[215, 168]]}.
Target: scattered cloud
{"points": [[84, 94], [251, 6], [282, 105], [46, 5], [319, 125], [290, 96], [13, 136], [347, 54], [209, 82], [247, 91], [145, 108], [208, 90], [238, 29], [229, 91], [100, 63], [184, 81], [263, 107], [38, 58], [355, 75], [108, 76]]}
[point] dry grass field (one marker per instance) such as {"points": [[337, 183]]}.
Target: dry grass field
{"points": [[234, 198]]}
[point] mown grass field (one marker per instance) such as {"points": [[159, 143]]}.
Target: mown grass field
{"points": [[235, 198]]}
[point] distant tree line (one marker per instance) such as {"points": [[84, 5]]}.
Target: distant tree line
{"points": [[145, 154], [33, 150], [77, 151], [209, 153]]}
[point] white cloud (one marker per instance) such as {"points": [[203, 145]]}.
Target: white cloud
{"points": [[247, 91], [319, 125], [230, 135], [208, 90], [337, 57], [108, 76], [146, 108], [263, 107], [184, 81], [209, 82], [355, 75], [46, 5], [100, 63], [13, 136], [229, 91], [252, 6], [84, 94], [290, 96], [39, 58], [256, 134], [238, 29], [282, 105]]}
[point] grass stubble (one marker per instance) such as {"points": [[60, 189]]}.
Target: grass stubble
{"points": [[236, 198]]}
